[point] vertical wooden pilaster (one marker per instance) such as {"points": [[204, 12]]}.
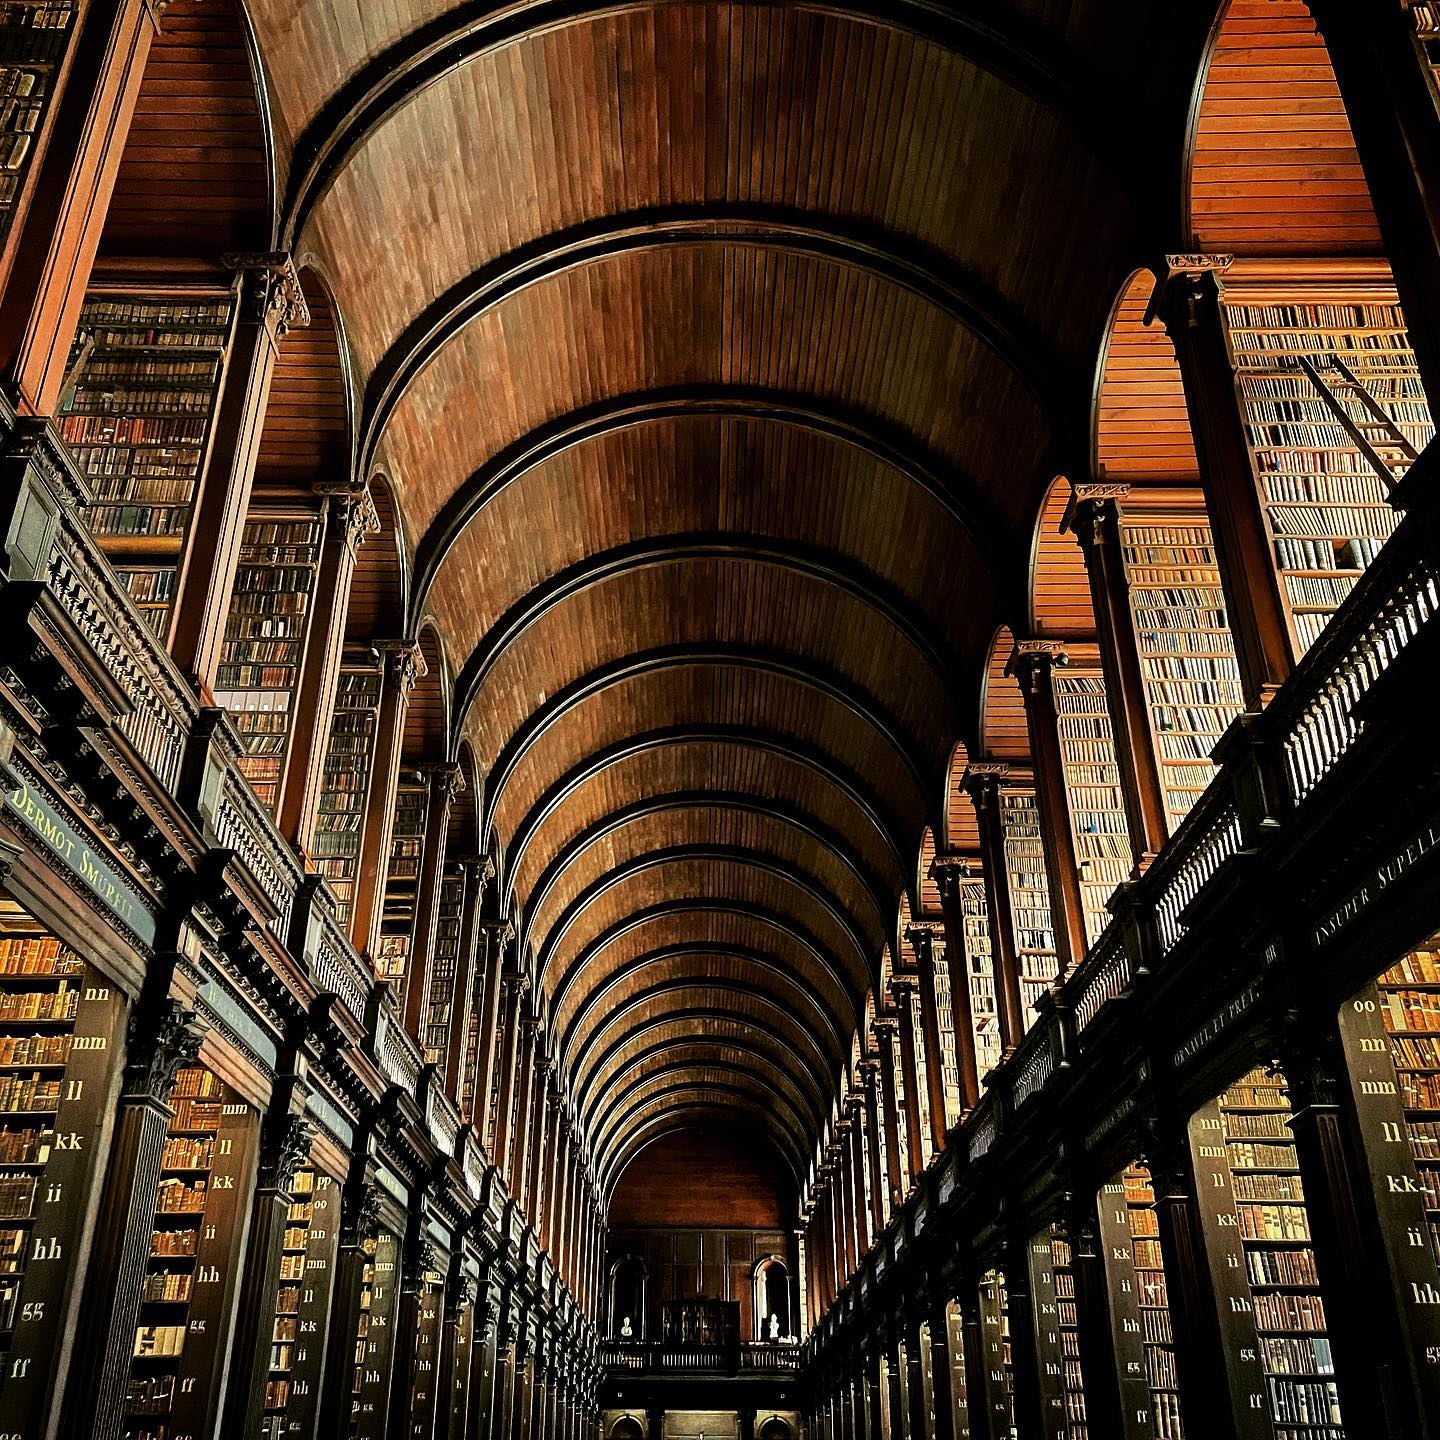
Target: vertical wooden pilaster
{"points": [[350, 517], [1024, 1353], [887, 1033], [493, 1027], [513, 988], [925, 935], [476, 872], [983, 784], [870, 1081], [860, 1206], [1100, 1368], [948, 872], [942, 1387], [902, 987], [1033, 666], [524, 1090], [444, 781], [977, 1385], [404, 665], [1189, 303], [1095, 518]]}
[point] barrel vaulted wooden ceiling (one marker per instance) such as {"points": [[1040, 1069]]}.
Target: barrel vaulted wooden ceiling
{"points": [[719, 357]]}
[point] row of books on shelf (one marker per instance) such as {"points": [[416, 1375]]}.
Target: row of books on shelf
{"points": [[182, 435], [120, 404], [132, 521], [1294, 1268], [159, 321], [168, 1285], [188, 1152], [178, 1197], [1318, 591], [38, 955], [159, 1341], [1302, 1402], [20, 1094], [1273, 1222], [1280, 1310], [17, 1196], [1411, 1009], [1268, 1185], [1327, 553], [26, 1145], [1420, 967]]}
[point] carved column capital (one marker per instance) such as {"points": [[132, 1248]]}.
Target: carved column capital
{"points": [[1034, 662], [950, 870], [284, 1147], [404, 663], [982, 778], [270, 287], [353, 515], [360, 1212], [161, 1040]]}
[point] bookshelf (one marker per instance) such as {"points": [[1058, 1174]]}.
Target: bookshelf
{"points": [[1324, 501], [1274, 1316], [1101, 833], [146, 375], [902, 1129], [999, 1367], [34, 36], [1129, 1231], [345, 783], [923, 1060], [197, 1221], [945, 1027], [1029, 885], [56, 1030], [959, 1381], [469, 1075], [980, 972], [374, 1339], [264, 642], [402, 879], [1187, 654], [1057, 1339], [443, 966]]}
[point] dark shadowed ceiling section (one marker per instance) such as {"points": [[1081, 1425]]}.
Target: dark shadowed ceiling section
{"points": [[718, 357]]}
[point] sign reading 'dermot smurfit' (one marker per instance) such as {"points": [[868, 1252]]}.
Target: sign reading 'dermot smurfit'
{"points": [[1381, 878], [69, 847]]}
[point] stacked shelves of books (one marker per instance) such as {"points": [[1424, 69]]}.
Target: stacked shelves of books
{"points": [[469, 1077], [34, 36], [1092, 786], [1029, 885], [923, 1060], [945, 1025], [1187, 654], [402, 878], [198, 1220], [1129, 1231], [902, 1130], [443, 966], [995, 1338], [959, 1382], [302, 1300], [374, 1340], [56, 1029], [345, 783], [137, 418], [264, 643], [1261, 1258], [980, 968], [1057, 1337], [1324, 499]]}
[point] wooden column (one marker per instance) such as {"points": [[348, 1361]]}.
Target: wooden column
{"points": [[860, 1206], [444, 782], [982, 781], [54, 241], [886, 1032], [455, 1374], [899, 1406], [502, 1416], [948, 872], [902, 987], [162, 1039], [524, 1093], [1033, 666], [1188, 301], [554, 1162], [493, 1026], [404, 665], [1391, 104], [870, 1081], [541, 1142], [1094, 516], [942, 1388], [512, 991], [925, 935], [845, 1197], [1024, 1353], [476, 872], [350, 516], [270, 304], [976, 1379]]}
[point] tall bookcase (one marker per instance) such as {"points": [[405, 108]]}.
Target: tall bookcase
{"points": [[146, 377], [980, 973], [264, 643], [995, 1339], [945, 1026], [923, 1060], [402, 878], [58, 1038], [198, 1219], [1261, 1259], [1187, 653], [1129, 1231], [1324, 500], [1098, 825], [34, 37], [902, 1130], [442, 970], [374, 1339], [345, 783], [1029, 885], [959, 1380], [1057, 1337]]}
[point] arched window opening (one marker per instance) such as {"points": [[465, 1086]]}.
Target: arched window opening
{"points": [[772, 1301], [627, 1299]]}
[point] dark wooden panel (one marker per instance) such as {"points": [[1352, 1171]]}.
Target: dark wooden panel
{"points": [[705, 1178]]}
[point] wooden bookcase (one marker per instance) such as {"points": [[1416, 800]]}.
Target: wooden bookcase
{"points": [[375, 1339], [345, 782], [199, 1218], [923, 1061], [945, 1026], [1262, 1263], [1182, 634], [34, 38], [402, 879], [1098, 825], [1324, 500], [980, 972], [902, 1130], [58, 1025], [443, 965], [959, 1380], [1129, 1231], [1057, 1340], [1026, 876], [136, 414], [995, 1339], [264, 642]]}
